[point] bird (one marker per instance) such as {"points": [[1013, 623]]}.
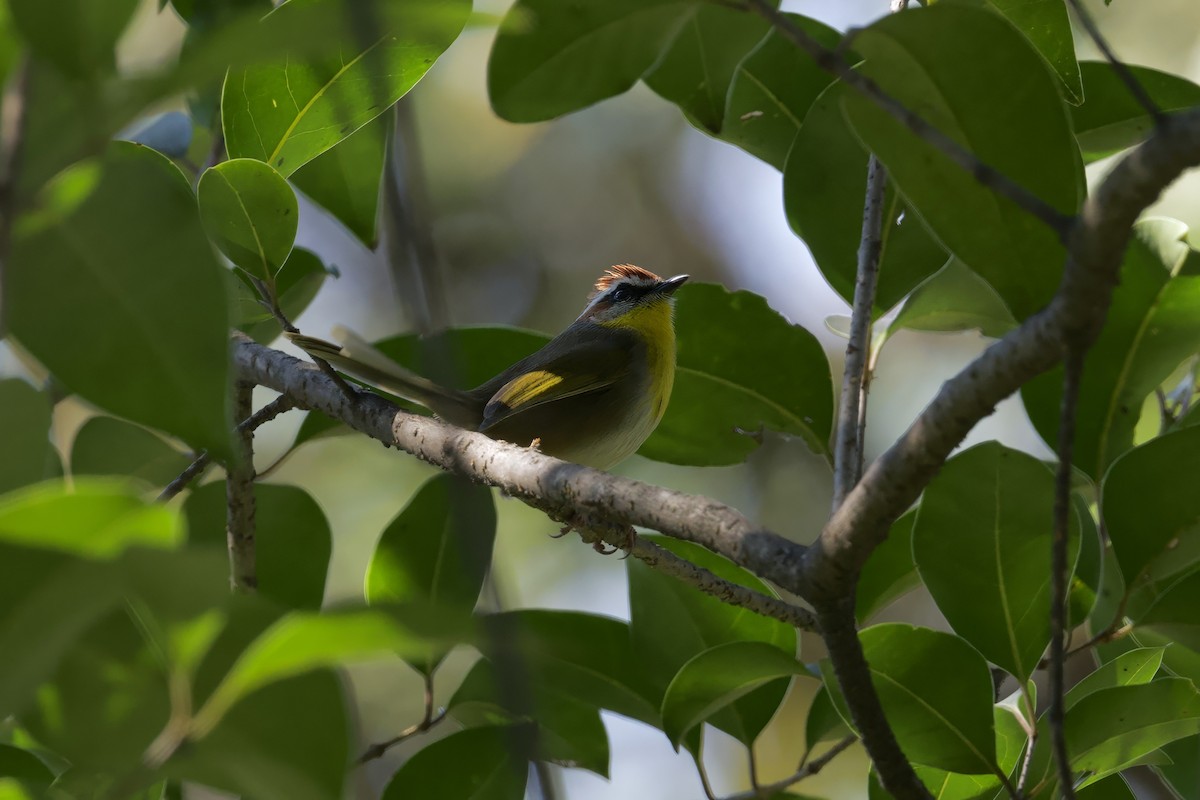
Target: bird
{"points": [[592, 395]]}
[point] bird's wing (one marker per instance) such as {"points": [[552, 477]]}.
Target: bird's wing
{"points": [[585, 367]]}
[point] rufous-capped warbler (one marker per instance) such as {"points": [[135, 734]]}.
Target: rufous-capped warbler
{"points": [[592, 395]]}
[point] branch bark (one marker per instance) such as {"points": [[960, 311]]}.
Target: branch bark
{"points": [[239, 498]]}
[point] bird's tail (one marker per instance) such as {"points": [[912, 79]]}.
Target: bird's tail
{"points": [[359, 358]]}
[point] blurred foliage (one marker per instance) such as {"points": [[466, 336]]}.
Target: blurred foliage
{"points": [[129, 669]]}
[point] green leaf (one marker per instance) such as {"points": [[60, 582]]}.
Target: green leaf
{"points": [[29, 456], [713, 679], [696, 70], [942, 785], [936, 691], [1148, 502], [671, 622], [1133, 668], [889, 572], [584, 656], [823, 183], [437, 550], [954, 299], [1113, 788], [25, 767], [823, 721], [569, 730], [982, 544], [1111, 119], [77, 36], [288, 112], [1174, 615], [301, 642], [1084, 588], [1153, 325], [1184, 774], [250, 213], [292, 539], [117, 248], [552, 58], [345, 179], [42, 624], [111, 446], [778, 379], [475, 764], [1005, 110], [1048, 28], [1113, 726], [287, 741], [772, 90], [96, 519], [296, 286]]}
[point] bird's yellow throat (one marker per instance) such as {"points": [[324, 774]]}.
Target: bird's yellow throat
{"points": [[654, 323]]}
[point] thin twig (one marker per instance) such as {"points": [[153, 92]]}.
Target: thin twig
{"points": [[1120, 67], [1072, 371], [264, 415], [428, 720], [239, 499], [704, 782], [805, 771], [851, 413], [833, 62], [1029, 724]]}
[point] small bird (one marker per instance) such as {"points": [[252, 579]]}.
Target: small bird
{"points": [[592, 395]]}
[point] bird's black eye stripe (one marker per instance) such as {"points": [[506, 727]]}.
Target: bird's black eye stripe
{"points": [[625, 292]]}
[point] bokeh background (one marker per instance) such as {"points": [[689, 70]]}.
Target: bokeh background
{"points": [[524, 218]]}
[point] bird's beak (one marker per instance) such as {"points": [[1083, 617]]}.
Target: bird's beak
{"points": [[669, 286]]}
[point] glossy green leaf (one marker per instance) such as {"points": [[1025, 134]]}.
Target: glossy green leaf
{"points": [[111, 446], [695, 71], [437, 550], [1111, 119], [936, 691], [671, 622], [1005, 110], [296, 286], [552, 58], [1048, 28], [954, 299], [117, 248], [569, 730], [293, 541], [287, 741], [772, 90], [1152, 326], [943, 785], [77, 36], [1133, 668], [711, 680], [301, 642], [723, 384], [345, 179], [290, 111], [1148, 500], [585, 656], [475, 764], [250, 213], [1174, 613], [29, 456], [94, 519], [982, 544], [1112, 726], [889, 572], [823, 184], [1083, 591]]}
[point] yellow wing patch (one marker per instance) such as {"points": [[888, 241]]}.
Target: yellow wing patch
{"points": [[535, 388]]}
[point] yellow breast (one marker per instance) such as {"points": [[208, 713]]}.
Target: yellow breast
{"points": [[654, 323]]}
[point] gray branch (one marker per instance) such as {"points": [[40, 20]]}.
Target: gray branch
{"points": [[239, 498]]}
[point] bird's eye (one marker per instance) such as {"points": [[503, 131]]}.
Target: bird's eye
{"points": [[620, 294]]}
